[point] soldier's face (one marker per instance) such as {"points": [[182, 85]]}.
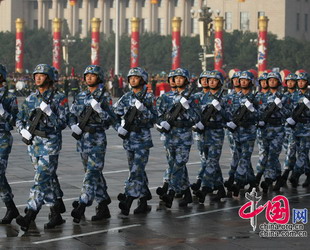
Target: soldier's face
{"points": [[290, 84], [171, 82], [273, 82], [204, 82], [236, 82], [91, 79], [39, 79], [244, 83], [263, 84], [134, 81], [179, 80], [302, 84], [213, 83]]}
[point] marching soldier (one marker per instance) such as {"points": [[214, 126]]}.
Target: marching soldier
{"points": [[203, 80], [40, 121], [170, 94], [242, 116], [136, 116], [261, 97], [211, 128], [289, 143], [90, 116], [8, 113], [177, 115], [300, 119], [272, 115]]}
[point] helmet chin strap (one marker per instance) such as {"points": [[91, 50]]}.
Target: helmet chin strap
{"points": [[275, 87], [93, 85]]}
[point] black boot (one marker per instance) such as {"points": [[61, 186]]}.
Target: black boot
{"points": [[201, 194], [196, 186], [294, 179], [186, 199], [252, 185], [266, 184], [78, 212], [121, 197], [55, 218], [11, 212], [102, 211], [307, 181], [258, 177], [168, 198], [162, 190], [143, 207], [25, 221], [228, 184], [125, 205], [277, 186], [221, 193], [60, 205], [235, 188]]}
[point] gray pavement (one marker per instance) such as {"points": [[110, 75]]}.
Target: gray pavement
{"points": [[199, 226]]}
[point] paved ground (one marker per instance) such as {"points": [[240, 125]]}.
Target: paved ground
{"points": [[199, 226]]}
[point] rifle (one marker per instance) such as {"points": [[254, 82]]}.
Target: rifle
{"points": [[34, 121], [298, 111], [131, 115], [83, 121], [176, 110], [240, 114], [209, 111], [268, 112]]}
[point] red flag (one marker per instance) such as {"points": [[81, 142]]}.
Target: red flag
{"points": [[72, 71]]}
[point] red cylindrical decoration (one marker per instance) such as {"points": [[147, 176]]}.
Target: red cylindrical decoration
{"points": [[19, 49], [176, 42], [134, 44], [95, 36], [218, 42], [72, 2], [262, 44], [57, 43]]}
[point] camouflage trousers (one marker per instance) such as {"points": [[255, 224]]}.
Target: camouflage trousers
{"points": [[42, 192], [167, 173], [5, 189], [302, 162], [244, 173], [137, 183], [289, 145], [273, 149], [94, 184], [234, 154], [212, 176], [179, 180], [56, 185], [203, 162], [262, 154]]}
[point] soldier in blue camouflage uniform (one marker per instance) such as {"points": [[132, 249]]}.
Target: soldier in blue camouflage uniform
{"points": [[203, 80], [212, 133], [234, 161], [289, 144], [272, 115], [8, 112], [92, 143], [178, 135], [301, 128], [136, 116], [244, 130], [261, 97], [164, 189], [44, 144]]}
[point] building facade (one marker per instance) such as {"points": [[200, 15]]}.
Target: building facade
{"points": [[286, 17]]}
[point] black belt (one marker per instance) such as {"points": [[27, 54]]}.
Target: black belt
{"points": [[92, 130], [246, 124], [214, 125], [274, 121], [182, 124]]}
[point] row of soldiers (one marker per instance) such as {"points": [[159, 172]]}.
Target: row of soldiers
{"points": [[268, 116]]}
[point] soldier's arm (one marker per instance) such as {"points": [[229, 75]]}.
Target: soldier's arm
{"points": [[11, 110], [22, 116], [59, 112]]}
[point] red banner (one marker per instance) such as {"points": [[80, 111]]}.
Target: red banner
{"points": [[134, 49], [218, 50], [19, 52], [176, 49], [57, 50], [95, 47]]}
